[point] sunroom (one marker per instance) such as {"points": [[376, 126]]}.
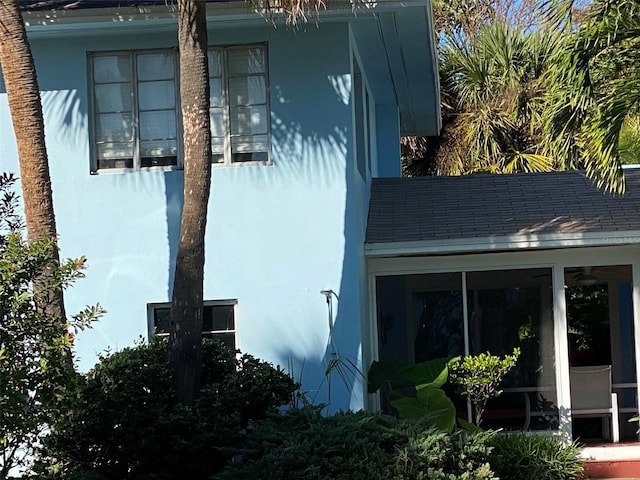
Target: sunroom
{"points": [[545, 263]]}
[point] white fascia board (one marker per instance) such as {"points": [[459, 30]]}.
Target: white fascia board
{"points": [[514, 242], [233, 13]]}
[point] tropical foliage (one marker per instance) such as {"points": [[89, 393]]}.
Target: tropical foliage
{"points": [[478, 377], [561, 95], [595, 95], [34, 346], [125, 421], [359, 446], [493, 96]]}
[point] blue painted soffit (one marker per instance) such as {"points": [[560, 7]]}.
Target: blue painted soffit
{"points": [[395, 40]]}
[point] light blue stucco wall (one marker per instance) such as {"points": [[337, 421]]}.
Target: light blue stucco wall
{"points": [[276, 236]]}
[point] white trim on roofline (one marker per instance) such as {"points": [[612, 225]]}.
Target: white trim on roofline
{"points": [[501, 243], [220, 12]]}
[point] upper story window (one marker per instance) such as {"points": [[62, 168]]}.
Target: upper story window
{"points": [[239, 109], [134, 109], [136, 112]]}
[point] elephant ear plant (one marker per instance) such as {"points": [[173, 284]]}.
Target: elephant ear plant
{"points": [[478, 377], [415, 391]]}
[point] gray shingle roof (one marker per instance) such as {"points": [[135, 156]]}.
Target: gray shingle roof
{"points": [[479, 206], [34, 5]]}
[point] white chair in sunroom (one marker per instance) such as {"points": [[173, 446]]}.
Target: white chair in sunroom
{"points": [[592, 397]]}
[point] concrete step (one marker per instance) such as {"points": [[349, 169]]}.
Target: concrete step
{"points": [[612, 469]]}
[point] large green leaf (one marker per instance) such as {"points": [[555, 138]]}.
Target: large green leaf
{"points": [[383, 372], [432, 405], [432, 373]]}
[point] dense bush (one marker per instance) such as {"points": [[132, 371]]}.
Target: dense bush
{"points": [[353, 446], [520, 456], [125, 423]]}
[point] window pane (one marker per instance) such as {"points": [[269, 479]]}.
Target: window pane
{"points": [[247, 90], [115, 150], [216, 116], [215, 97], [113, 97], [114, 127], [248, 120], [215, 63], [514, 308], [256, 143], [115, 163], [111, 68], [245, 60], [160, 125], [156, 66], [156, 95], [159, 148], [162, 320], [229, 339]]}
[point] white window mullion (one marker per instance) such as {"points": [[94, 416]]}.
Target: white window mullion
{"points": [[135, 124], [226, 109]]}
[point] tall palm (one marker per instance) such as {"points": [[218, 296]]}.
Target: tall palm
{"points": [[493, 97], [23, 95], [596, 92], [186, 309]]}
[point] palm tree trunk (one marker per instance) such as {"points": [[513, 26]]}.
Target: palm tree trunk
{"points": [[23, 94], [186, 309]]}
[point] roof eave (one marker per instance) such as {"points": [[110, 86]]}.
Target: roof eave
{"points": [[501, 243]]}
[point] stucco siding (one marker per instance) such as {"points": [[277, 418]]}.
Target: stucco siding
{"points": [[277, 235]]}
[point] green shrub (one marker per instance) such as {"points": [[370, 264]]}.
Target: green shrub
{"points": [[125, 422], [520, 456], [353, 446]]}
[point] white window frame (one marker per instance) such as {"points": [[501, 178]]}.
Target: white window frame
{"points": [[228, 160], [135, 110], [152, 307]]}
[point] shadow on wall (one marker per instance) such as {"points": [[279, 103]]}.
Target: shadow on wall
{"points": [[310, 134], [313, 155]]}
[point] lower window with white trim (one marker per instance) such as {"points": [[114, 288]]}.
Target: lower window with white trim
{"points": [[218, 320]]}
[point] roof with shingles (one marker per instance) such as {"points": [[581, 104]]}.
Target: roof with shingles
{"points": [[35, 5], [480, 206]]}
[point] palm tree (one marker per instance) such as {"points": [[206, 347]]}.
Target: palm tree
{"points": [[186, 309], [594, 95], [186, 305], [493, 91], [23, 95]]}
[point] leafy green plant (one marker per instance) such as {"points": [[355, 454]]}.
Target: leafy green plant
{"points": [[357, 446], [34, 347], [416, 390], [126, 423], [478, 377], [521, 456]]}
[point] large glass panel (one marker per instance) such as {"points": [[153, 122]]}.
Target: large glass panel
{"points": [[509, 309], [600, 334], [420, 317]]}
